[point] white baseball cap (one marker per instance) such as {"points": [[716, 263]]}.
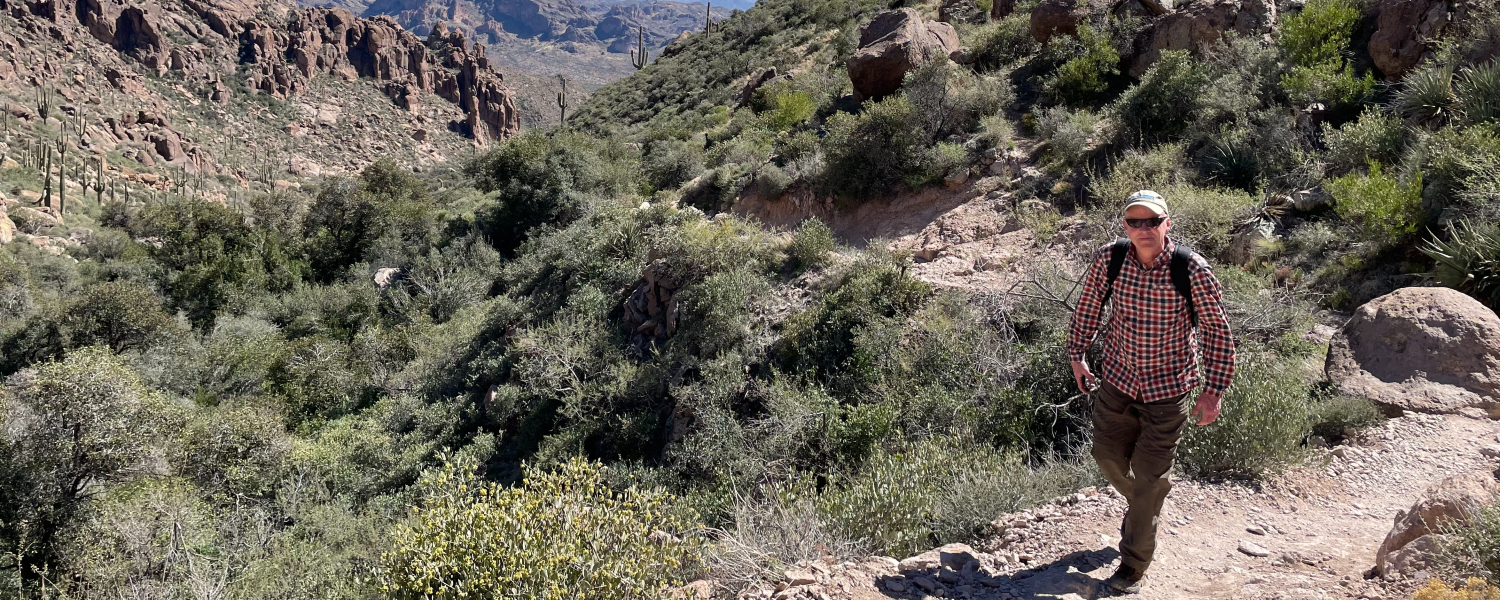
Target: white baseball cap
{"points": [[1148, 199]]}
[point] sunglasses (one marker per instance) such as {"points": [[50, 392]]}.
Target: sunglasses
{"points": [[1145, 223]]}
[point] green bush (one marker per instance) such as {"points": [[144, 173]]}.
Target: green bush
{"points": [[1069, 134], [1262, 426], [872, 152], [1001, 43], [561, 535], [1471, 549], [1469, 261], [1153, 110], [811, 244], [1203, 217], [668, 164], [1376, 137], [938, 491], [88, 422], [1085, 76], [1315, 41], [1386, 209], [1331, 417]]}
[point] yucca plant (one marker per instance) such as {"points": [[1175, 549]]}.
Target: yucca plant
{"points": [[1478, 91], [1426, 96], [1468, 262], [1231, 163]]}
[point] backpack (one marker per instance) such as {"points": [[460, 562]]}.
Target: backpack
{"points": [[1182, 256]]}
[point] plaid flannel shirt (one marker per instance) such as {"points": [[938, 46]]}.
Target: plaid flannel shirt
{"points": [[1150, 347]]}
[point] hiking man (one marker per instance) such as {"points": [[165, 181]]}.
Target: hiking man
{"points": [[1162, 293]]}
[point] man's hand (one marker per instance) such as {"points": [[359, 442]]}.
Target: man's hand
{"points": [[1207, 408], [1084, 378]]}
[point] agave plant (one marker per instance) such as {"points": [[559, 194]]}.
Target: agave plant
{"points": [[1232, 163], [1426, 95], [1478, 91], [1470, 261]]}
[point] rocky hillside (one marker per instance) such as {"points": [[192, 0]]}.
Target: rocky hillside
{"points": [[589, 42], [231, 83]]}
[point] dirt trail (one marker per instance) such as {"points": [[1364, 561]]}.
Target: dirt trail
{"points": [[1321, 524]]}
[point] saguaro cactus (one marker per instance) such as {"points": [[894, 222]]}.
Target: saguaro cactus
{"points": [[43, 103], [641, 56], [562, 99], [708, 17]]}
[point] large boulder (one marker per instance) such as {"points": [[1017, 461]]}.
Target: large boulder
{"points": [[892, 44], [1421, 349], [1052, 17], [1198, 27], [1414, 535], [1404, 30], [7, 227]]}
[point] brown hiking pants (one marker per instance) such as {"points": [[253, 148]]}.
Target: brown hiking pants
{"points": [[1134, 444]]}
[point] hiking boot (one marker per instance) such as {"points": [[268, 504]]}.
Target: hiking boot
{"points": [[1126, 580]]}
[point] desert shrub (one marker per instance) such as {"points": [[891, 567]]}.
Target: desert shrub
{"points": [[1002, 43], [820, 342], [1070, 134], [1469, 260], [236, 449], [1314, 41], [73, 425], [938, 491], [561, 534], [1152, 110], [770, 534], [1376, 136], [1084, 77], [670, 163], [1478, 93], [1426, 95], [873, 151], [120, 315], [1472, 549], [319, 379], [1333, 415], [1137, 169], [789, 107], [536, 179], [1473, 589], [212, 259], [1386, 209], [1319, 33], [811, 244], [1262, 425]]}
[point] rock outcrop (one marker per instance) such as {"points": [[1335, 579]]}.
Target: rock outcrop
{"points": [[1199, 26], [1054, 17], [1414, 535], [285, 49], [651, 312], [1420, 349], [1404, 30], [892, 44]]}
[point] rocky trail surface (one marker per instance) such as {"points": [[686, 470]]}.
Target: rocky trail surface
{"points": [[1312, 532]]}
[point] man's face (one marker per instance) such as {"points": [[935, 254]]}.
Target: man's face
{"points": [[1147, 238]]}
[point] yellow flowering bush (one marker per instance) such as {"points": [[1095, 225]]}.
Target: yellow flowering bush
{"points": [[1474, 589], [562, 534]]}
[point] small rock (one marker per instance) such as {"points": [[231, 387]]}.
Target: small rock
{"points": [[1253, 549], [895, 585], [957, 179], [1490, 451], [1256, 529], [928, 585], [796, 578], [947, 576]]}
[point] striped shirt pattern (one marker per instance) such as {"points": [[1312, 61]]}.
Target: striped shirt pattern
{"points": [[1150, 347]]}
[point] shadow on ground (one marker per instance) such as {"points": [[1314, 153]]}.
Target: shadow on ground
{"points": [[1076, 576]]}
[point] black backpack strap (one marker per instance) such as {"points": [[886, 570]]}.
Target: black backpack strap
{"points": [[1116, 261], [1182, 278]]}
